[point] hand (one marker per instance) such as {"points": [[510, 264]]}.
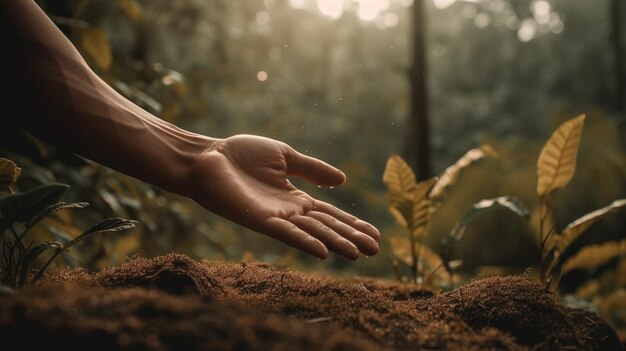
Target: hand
{"points": [[244, 179]]}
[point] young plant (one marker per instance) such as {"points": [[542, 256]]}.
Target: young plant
{"points": [[478, 209], [412, 205], [555, 168], [21, 212]]}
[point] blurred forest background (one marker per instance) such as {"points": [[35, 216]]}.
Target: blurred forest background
{"points": [[351, 82]]}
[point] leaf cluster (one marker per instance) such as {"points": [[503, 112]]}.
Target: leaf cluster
{"points": [[555, 168], [19, 213]]}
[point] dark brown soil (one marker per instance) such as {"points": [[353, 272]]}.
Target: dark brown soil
{"points": [[172, 302]]}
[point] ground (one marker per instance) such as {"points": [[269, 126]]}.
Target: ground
{"points": [[174, 303]]}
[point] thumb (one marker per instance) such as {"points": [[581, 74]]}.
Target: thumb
{"points": [[312, 170]]}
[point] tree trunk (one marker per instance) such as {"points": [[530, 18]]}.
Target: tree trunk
{"points": [[616, 44], [417, 149]]}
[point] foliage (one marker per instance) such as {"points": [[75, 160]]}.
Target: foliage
{"points": [[555, 168], [9, 172], [19, 213], [412, 205]]}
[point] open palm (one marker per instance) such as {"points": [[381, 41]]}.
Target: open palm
{"points": [[244, 179]]}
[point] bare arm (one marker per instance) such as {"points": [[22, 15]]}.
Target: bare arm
{"points": [[68, 104], [242, 178]]}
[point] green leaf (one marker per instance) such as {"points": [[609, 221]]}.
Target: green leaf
{"points": [[25, 206], [108, 225], [510, 203], [9, 172], [576, 228]]}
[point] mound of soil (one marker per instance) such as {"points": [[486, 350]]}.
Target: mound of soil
{"points": [[173, 302]]}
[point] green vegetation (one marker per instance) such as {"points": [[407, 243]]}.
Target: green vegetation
{"points": [[19, 213]]}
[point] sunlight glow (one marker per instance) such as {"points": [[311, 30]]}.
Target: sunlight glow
{"points": [[262, 17], [442, 4], [391, 20], [297, 4], [541, 11], [527, 30], [482, 20], [331, 8], [261, 76], [369, 10]]}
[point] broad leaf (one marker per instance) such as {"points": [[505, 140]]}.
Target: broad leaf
{"points": [[401, 184], [96, 44], [401, 249], [451, 174], [399, 179], [576, 228], [510, 203], [9, 172], [428, 257], [594, 256], [24, 206], [399, 216], [544, 228], [108, 225], [422, 209], [557, 160]]}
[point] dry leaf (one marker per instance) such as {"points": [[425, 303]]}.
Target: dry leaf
{"points": [[557, 160], [576, 228]]}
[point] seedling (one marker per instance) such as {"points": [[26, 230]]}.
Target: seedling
{"points": [[555, 168]]}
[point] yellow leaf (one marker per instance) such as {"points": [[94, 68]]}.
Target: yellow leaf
{"points": [[399, 178], [398, 216], [549, 224], [9, 172], [132, 9], [576, 228], [588, 290], [613, 305], [594, 256], [557, 160], [451, 174], [428, 257], [401, 249], [96, 44]]}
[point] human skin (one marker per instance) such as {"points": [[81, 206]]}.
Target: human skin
{"points": [[243, 178]]}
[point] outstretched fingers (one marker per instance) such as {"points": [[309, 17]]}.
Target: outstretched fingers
{"points": [[293, 236], [365, 243], [347, 218], [327, 236]]}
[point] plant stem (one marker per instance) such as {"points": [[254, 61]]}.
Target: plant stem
{"points": [[413, 256], [45, 266], [431, 274]]}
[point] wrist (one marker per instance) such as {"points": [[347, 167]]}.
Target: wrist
{"points": [[188, 148]]}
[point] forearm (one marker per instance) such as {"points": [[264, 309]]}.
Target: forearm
{"points": [[69, 105]]}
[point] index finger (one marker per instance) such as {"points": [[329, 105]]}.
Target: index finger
{"points": [[347, 218]]}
